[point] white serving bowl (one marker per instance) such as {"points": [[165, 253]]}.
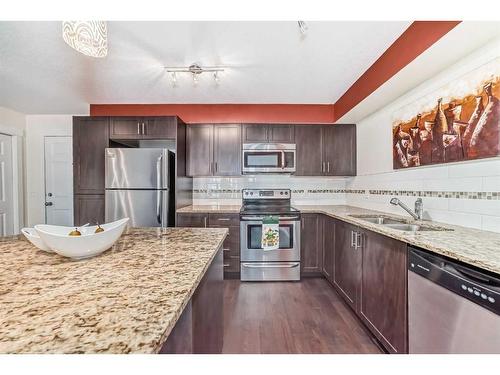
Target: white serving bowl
{"points": [[87, 245], [34, 238]]}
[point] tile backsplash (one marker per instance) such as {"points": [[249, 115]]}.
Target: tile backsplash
{"points": [[305, 190]]}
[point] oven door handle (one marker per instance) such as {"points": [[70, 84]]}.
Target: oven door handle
{"points": [[270, 265], [261, 218]]}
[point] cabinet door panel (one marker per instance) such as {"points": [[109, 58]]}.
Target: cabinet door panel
{"points": [[126, 127], [90, 138], [255, 133], [347, 264], [311, 245], [383, 289], [199, 150], [309, 150], [328, 247], [160, 128], [88, 209], [192, 220], [281, 133], [227, 150], [339, 146]]}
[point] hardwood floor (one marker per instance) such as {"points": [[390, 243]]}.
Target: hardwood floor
{"points": [[290, 318]]}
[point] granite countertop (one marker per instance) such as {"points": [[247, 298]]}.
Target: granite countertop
{"points": [[215, 209], [126, 300], [472, 246]]}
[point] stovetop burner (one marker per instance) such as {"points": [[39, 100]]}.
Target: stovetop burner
{"points": [[267, 201]]}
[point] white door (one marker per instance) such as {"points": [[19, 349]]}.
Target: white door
{"points": [[59, 181], [6, 187]]}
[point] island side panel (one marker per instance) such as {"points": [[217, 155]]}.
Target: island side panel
{"points": [[208, 307], [200, 328]]}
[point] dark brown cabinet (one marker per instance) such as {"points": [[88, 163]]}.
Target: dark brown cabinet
{"points": [[90, 138], [383, 289], [199, 152], [309, 150], [142, 127], [88, 209], [192, 220], [259, 133], [347, 263], [339, 150], [328, 246], [231, 245], [214, 150], [311, 245], [326, 150]]}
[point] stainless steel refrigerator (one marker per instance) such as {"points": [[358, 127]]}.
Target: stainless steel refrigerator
{"points": [[138, 185]]}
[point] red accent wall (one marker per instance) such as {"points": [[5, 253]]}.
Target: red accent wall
{"points": [[417, 38], [223, 113]]}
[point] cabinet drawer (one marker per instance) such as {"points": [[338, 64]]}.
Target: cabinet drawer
{"points": [[192, 220], [231, 264], [224, 220]]}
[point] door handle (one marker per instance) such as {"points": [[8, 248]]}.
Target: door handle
{"points": [[49, 204], [328, 167], [143, 132], [270, 265], [205, 221], [158, 187], [138, 128]]}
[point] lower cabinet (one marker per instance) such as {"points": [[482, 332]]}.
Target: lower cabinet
{"points": [[88, 209], [383, 299], [231, 245], [311, 245], [347, 263], [328, 246]]}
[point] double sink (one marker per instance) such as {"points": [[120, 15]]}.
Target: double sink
{"points": [[399, 224]]}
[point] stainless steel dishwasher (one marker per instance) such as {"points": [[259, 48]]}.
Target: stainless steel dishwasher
{"points": [[452, 308]]}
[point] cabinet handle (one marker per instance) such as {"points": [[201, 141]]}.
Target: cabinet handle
{"points": [[226, 249], [353, 239], [205, 221], [224, 219], [143, 132], [226, 265], [138, 128], [216, 167], [359, 240], [328, 164]]}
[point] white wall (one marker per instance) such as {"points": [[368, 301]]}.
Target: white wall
{"points": [[14, 123], [38, 127], [374, 137]]}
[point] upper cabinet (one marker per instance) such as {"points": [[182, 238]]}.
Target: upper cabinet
{"points": [[142, 127], [259, 133], [90, 138], [214, 150], [326, 150], [339, 150]]}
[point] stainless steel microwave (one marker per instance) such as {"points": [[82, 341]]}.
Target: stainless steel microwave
{"points": [[268, 158]]}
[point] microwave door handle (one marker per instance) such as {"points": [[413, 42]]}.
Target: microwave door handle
{"points": [[282, 159]]}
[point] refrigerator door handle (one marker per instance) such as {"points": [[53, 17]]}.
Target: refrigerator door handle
{"points": [[158, 187]]}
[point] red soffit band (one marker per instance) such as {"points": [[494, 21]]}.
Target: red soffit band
{"points": [[417, 38]]}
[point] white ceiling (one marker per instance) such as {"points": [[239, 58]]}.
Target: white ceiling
{"points": [[267, 62]]}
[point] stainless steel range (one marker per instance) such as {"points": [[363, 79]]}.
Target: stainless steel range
{"points": [[258, 264]]}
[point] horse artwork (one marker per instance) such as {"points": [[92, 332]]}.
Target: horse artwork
{"points": [[460, 121]]}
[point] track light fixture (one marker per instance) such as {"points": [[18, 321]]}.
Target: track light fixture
{"points": [[195, 70]]}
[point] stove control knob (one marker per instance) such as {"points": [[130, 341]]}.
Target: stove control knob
{"points": [[251, 193], [286, 192], [281, 193]]}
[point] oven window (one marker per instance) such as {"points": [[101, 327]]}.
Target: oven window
{"points": [[254, 236], [262, 159]]}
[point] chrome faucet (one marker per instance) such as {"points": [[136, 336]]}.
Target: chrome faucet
{"points": [[419, 207]]}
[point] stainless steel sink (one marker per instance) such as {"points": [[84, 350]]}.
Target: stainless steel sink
{"points": [[400, 224], [379, 219]]}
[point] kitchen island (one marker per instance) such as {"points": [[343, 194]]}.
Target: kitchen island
{"points": [[145, 295]]}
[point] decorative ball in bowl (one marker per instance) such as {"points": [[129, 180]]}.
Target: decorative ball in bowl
{"points": [[81, 243]]}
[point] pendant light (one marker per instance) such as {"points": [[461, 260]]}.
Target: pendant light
{"points": [[87, 37]]}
